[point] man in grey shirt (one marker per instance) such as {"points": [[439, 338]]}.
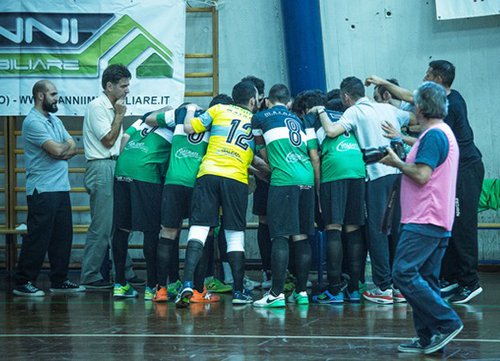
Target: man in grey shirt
{"points": [[47, 148]]}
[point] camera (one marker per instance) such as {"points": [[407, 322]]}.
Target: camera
{"points": [[373, 155]]}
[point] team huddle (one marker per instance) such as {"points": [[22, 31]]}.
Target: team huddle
{"points": [[305, 177], [376, 177]]}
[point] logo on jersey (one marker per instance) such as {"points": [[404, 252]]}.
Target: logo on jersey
{"points": [[345, 146], [183, 153], [296, 158]]}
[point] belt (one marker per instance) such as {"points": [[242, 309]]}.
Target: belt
{"points": [[113, 157]]}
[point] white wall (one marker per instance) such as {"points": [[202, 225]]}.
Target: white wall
{"points": [[251, 42]]}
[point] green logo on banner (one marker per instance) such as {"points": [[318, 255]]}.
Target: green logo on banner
{"points": [[30, 46]]}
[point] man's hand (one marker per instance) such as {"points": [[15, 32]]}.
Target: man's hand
{"points": [[390, 131], [392, 159], [120, 107], [375, 80], [316, 109]]}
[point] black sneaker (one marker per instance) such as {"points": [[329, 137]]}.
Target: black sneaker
{"points": [[98, 285], [414, 346], [465, 294], [448, 288], [136, 281], [67, 287], [28, 290], [440, 340]]}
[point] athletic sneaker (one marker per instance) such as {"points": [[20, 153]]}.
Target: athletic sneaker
{"points": [[352, 297], [378, 296], [242, 298], [397, 296], [182, 299], [67, 287], [300, 298], [465, 294], [174, 288], [126, 291], [98, 285], [149, 293], [204, 297], [440, 340], [28, 290], [214, 285], [414, 346], [161, 294], [326, 298], [250, 284], [269, 301], [447, 288]]}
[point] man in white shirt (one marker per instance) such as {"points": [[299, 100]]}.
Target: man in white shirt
{"points": [[364, 119], [102, 133]]}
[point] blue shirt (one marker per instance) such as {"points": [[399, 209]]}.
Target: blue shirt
{"points": [[44, 173], [433, 149]]}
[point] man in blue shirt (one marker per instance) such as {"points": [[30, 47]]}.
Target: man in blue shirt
{"points": [[47, 148]]}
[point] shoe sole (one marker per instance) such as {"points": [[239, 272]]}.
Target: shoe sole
{"points": [[470, 297], [241, 302], [380, 301], [429, 350], [87, 287], [75, 290], [410, 350], [328, 302], [24, 294], [399, 300], [126, 296], [271, 305]]}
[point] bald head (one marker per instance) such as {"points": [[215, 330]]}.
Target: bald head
{"points": [[45, 95]]}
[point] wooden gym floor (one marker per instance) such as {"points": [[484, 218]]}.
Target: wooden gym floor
{"points": [[92, 326]]}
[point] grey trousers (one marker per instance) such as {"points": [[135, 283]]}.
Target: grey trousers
{"points": [[98, 180]]}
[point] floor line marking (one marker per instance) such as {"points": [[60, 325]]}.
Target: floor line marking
{"points": [[120, 335]]}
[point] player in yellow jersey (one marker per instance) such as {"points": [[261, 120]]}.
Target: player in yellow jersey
{"points": [[222, 182]]}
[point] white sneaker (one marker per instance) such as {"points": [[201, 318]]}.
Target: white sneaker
{"points": [[269, 301], [378, 296]]}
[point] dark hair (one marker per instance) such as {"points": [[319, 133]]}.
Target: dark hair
{"points": [[221, 99], [353, 87], [307, 99], [444, 69], [382, 88], [335, 104], [257, 82], [333, 94], [243, 92], [114, 73], [279, 93]]}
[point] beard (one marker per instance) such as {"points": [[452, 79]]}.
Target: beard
{"points": [[49, 107]]}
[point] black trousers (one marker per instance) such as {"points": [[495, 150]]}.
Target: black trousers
{"points": [[50, 230], [460, 261]]}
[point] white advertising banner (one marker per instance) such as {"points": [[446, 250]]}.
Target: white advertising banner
{"points": [[457, 9], [71, 43]]}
